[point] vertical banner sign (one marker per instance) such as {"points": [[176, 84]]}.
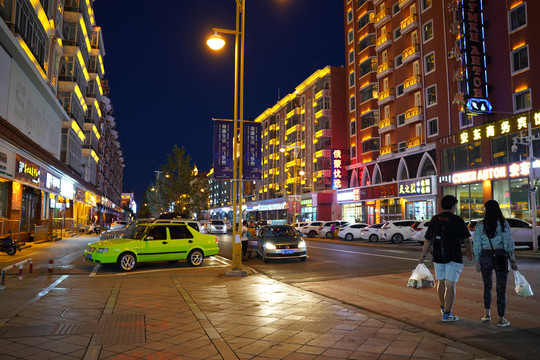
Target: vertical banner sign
{"points": [[336, 169], [474, 55], [223, 149], [252, 151]]}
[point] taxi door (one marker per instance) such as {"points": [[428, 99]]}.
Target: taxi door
{"points": [[181, 242], [155, 246]]}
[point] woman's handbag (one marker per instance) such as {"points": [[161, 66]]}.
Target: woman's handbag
{"points": [[500, 259]]}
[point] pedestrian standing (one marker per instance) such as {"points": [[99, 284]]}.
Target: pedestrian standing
{"points": [[244, 238], [446, 232], [493, 238]]}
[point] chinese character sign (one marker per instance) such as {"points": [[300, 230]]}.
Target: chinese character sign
{"points": [[252, 151], [336, 169], [223, 149]]}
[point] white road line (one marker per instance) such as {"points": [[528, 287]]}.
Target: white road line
{"points": [[94, 270], [363, 253]]}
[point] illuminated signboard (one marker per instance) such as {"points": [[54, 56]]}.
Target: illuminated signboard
{"points": [[53, 183], [278, 206], [336, 169], [422, 186], [307, 202], [502, 127], [367, 193], [519, 169], [67, 189], [474, 55], [27, 171]]}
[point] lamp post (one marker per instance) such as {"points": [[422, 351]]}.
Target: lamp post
{"points": [[296, 148], [528, 141], [216, 42]]}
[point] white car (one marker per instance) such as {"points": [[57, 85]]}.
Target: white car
{"points": [[371, 232], [326, 227], [397, 230], [522, 230], [312, 229], [299, 226], [418, 231], [193, 223], [217, 227], [351, 231]]}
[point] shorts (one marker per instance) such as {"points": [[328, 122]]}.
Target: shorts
{"points": [[449, 271]]}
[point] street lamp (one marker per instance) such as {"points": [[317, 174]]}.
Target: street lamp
{"points": [[216, 42], [296, 148], [528, 141]]}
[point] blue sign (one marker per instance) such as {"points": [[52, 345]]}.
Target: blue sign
{"points": [[223, 149], [252, 151], [479, 105]]}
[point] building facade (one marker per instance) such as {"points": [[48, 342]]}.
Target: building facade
{"points": [[52, 134]]}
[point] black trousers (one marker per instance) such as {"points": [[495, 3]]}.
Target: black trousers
{"points": [[487, 266]]}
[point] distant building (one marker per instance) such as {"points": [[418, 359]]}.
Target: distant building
{"points": [[59, 161]]}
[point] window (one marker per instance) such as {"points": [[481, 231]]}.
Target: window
{"points": [[429, 62], [387, 140], [158, 233], [397, 33], [351, 79], [368, 66], [517, 17], [353, 152], [399, 60], [432, 127], [399, 90], [402, 146], [520, 59], [370, 145], [464, 119], [395, 8], [352, 103], [431, 95], [179, 232], [351, 57], [363, 21], [369, 92], [401, 119], [353, 128], [522, 100], [427, 30], [426, 4], [366, 41], [350, 36], [370, 119], [349, 16]]}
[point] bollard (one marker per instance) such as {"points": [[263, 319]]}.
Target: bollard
{"points": [[31, 266], [50, 267], [3, 279], [20, 272]]}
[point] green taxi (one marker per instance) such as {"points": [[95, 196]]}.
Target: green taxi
{"points": [[153, 242]]}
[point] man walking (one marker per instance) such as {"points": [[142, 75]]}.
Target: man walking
{"points": [[446, 232]]}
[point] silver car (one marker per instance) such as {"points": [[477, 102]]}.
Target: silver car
{"points": [[280, 242]]}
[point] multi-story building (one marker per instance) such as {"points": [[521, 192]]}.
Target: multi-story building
{"points": [[52, 101], [453, 81]]}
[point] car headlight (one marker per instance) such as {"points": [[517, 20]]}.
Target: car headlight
{"points": [[90, 249], [101, 250], [302, 244], [270, 246]]}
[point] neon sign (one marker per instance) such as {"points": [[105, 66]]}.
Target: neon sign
{"points": [[520, 169], [336, 169]]}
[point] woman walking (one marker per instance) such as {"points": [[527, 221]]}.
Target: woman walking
{"points": [[492, 237]]}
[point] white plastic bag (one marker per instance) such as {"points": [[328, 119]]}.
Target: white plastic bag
{"points": [[522, 286], [421, 277]]}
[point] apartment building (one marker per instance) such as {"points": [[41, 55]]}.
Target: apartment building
{"points": [[439, 89], [60, 156]]}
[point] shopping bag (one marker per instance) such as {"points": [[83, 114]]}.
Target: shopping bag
{"points": [[421, 277], [523, 288]]}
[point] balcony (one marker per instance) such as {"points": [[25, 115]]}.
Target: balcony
{"points": [[386, 152], [295, 111], [325, 153], [412, 83], [322, 93], [409, 54], [323, 113], [410, 22], [323, 133], [387, 124], [403, 3], [385, 97], [385, 69], [383, 42], [414, 114], [414, 143], [382, 17]]}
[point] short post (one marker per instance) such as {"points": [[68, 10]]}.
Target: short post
{"points": [[3, 279], [50, 266], [20, 271], [30, 266]]}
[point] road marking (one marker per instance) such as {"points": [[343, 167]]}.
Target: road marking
{"points": [[394, 251], [95, 270], [364, 253]]}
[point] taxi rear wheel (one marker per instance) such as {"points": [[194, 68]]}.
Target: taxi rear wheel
{"points": [[195, 257], [127, 261]]}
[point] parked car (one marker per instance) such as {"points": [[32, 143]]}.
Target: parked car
{"points": [[153, 242], [397, 230], [217, 227], [418, 230], [298, 226], [119, 223], [326, 227], [351, 231], [118, 230], [228, 224], [280, 242], [312, 229], [193, 223], [371, 232], [522, 230]]}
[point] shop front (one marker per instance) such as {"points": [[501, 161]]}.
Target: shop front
{"points": [[507, 184]]}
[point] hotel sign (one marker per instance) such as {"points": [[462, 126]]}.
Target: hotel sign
{"points": [[474, 56]]}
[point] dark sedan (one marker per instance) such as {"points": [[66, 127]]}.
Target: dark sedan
{"points": [[280, 242]]}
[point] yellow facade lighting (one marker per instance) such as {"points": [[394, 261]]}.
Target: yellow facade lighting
{"points": [[517, 3], [31, 57], [90, 13], [85, 33], [96, 132], [41, 16], [100, 60], [100, 88], [83, 65], [517, 46], [77, 130], [94, 155], [80, 97], [521, 88], [98, 110], [365, 138]]}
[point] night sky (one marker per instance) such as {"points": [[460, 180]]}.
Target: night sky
{"points": [[166, 85]]}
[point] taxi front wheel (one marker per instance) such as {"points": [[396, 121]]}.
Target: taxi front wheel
{"points": [[127, 261]]}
